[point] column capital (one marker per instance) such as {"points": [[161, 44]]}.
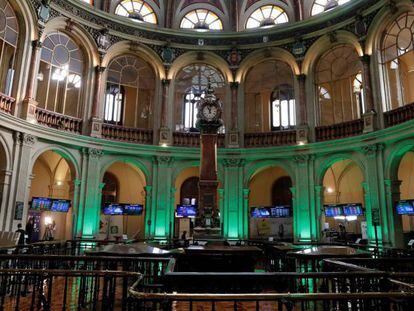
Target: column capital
{"points": [[234, 85], [99, 69], [366, 59], [26, 139], [166, 82], [95, 153], [301, 77], [37, 44], [233, 162]]}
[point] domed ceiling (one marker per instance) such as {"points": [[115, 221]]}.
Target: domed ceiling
{"points": [[216, 15]]}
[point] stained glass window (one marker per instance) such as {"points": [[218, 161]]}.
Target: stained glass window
{"points": [[267, 16], [201, 20], [137, 10], [320, 6]]}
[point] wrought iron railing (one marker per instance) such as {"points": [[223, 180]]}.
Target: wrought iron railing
{"points": [[129, 134]]}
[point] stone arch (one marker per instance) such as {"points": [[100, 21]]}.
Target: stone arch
{"points": [[256, 167], [107, 163], [394, 157]]}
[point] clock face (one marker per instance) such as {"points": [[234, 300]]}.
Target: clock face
{"points": [[210, 112]]}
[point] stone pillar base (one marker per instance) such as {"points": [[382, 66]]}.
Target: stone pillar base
{"points": [[302, 135], [165, 136], [96, 128], [29, 110], [369, 121], [233, 139]]}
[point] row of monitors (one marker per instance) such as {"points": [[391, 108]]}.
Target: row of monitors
{"points": [[333, 210], [405, 207], [271, 212], [49, 204], [119, 209], [186, 211]]}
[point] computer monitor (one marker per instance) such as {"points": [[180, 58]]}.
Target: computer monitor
{"points": [[354, 209], [61, 206], [41, 204], [405, 207], [186, 211], [133, 209], [333, 210], [113, 209]]}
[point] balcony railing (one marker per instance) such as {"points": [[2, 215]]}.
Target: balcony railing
{"points": [[269, 139], [341, 130], [58, 121], [129, 134], [399, 115], [6, 103], [181, 139]]}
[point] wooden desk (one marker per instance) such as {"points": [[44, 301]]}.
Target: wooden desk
{"points": [[129, 250]]}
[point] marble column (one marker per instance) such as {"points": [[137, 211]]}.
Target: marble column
{"points": [[393, 195], [302, 128], [233, 134], [164, 130], [96, 122], [369, 115]]}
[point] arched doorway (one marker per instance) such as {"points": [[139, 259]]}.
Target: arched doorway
{"points": [[343, 216], [270, 205], [51, 198], [186, 201], [406, 210], [123, 200]]}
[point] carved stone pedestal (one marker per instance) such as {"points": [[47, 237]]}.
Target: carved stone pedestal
{"points": [[302, 134], [29, 110], [369, 121], [233, 139], [96, 127], [165, 136]]}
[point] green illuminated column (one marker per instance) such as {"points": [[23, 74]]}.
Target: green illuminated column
{"points": [[376, 210], [220, 193], [246, 193], [148, 194], [393, 195], [162, 212], [82, 194], [303, 207], [233, 216], [75, 206], [318, 210], [91, 213]]}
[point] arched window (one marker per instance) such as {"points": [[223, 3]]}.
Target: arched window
{"points": [[9, 32], [191, 84], [398, 67], [283, 110], [201, 20], [60, 76], [339, 82], [129, 92], [320, 6], [137, 10], [267, 16], [269, 97]]}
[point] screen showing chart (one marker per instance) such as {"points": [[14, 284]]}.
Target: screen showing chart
{"points": [[333, 210], [113, 209], [60, 206], [38, 203], [280, 211], [133, 209], [405, 207], [186, 211]]}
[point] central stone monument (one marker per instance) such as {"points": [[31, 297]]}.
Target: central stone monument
{"points": [[209, 121]]}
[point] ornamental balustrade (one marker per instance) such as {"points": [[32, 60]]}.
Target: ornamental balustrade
{"points": [[399, 115], [182, 139], [128, 134], [270, 139], [6, 103], [341, 130], [58, 121]]}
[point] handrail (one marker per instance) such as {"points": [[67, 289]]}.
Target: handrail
{"points": [[268, 296], [399, 115], [56, 272], [339, 130], [58, 121], [270, 139], [130, 134], [6, 103]]}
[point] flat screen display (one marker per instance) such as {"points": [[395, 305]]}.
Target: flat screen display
{"points": [[333, 210], [280, 211], [353, 210], [38, 203], [186, 211], [260, 212], [60, 206], [133, 209], [113, 209], [405, 207]]}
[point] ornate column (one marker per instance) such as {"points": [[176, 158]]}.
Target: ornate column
{"points": [[303, 209], [20, 188], [233, 136], [234, 216], [393, 195], [96, 122], [165, 133], [29, 103], [319, 191], [161, 215], [93, 193], [149, 232], [246, 193], [369, 115], [302, 129], [5, 178], [75, 206], [375, 202]]}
